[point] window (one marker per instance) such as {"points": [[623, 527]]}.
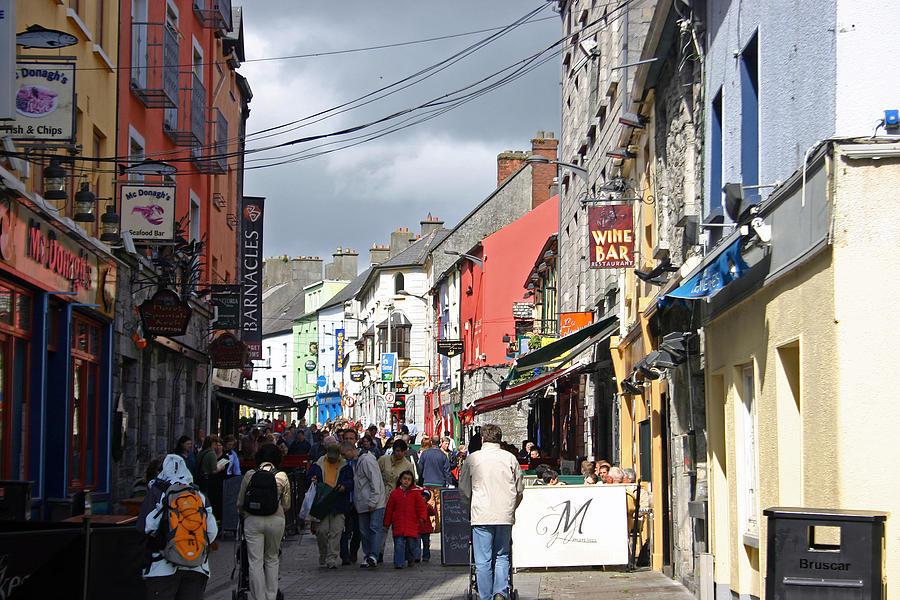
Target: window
{"points": [[268, 357], [715, 154], [400, 335], [139, 43], [369, 357], [84, 403], [194, 224], [750, 113], [285, 361], [284, 388], [136, 154], [98, 30], [398, 283], [15, 343], [749, 502]]}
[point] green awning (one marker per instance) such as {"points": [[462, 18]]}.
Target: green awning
{"points": [[574, 344]]}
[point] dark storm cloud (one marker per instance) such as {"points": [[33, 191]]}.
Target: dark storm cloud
{"points": [[355, 197]]}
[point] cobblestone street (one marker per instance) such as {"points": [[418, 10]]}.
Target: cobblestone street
{"points": [[301, 577]]}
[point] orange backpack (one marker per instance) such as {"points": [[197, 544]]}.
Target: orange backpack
{"points": [[184, 526]]}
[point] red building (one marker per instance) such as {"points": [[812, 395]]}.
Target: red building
{"points": [[491, 292], [181, 101]]}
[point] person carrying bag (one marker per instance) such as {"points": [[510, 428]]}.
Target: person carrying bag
{"points": [[264, 497]]}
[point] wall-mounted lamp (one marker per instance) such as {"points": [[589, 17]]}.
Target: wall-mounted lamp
{"points": [[109, 225], [631, 389], [55, 181], [656, 275], [633, 120], [85, 201], [620, 153], [474, 259]]}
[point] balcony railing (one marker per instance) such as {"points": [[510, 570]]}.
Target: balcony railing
{"points": [[154, 64], [209, 157], [214, 14], [186, 125]]}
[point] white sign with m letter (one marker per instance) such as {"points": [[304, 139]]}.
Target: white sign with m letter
{"points": [[571, 525]]}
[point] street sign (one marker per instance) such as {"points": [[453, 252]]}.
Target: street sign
{"points": [[357, 373], [389, 398], [388, 363], [350, 401], [449, 347], [321, 381]]}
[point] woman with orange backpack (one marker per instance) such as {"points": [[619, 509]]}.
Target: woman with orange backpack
{"points": [[179, 521]]}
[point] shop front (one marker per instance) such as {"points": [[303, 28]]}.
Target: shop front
{"points": [[57, 298]]}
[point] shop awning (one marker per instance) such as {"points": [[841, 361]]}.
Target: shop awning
{"points": [[261, 400], [573, 344], [511, 395]]}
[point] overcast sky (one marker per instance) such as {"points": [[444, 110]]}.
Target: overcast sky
{"points": [[354, 197]]}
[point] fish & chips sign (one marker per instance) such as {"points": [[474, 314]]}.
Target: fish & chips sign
{"points": [[148, 213]]}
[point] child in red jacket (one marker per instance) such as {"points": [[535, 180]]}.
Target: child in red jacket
{"points": [[426, 528], [405, 513]]}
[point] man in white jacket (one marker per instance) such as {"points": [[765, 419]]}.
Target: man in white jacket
{"points": [[491, 483], [369, 499]]}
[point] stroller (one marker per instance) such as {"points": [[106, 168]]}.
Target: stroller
{"points": [[242, 567], [472, 594]]}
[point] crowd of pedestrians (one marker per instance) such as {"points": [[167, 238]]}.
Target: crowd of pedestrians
{"points": [[370, 484]]}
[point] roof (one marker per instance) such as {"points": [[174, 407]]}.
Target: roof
{"points": [[414, 256], [281, 305], [349, 291]]}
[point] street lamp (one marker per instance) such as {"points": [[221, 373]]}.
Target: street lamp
{"points": [[474, 259], [109, 225], [540, 159]]}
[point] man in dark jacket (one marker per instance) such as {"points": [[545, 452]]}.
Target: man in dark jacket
{"points": [[336, 472], [300, 445], [434, 469]]}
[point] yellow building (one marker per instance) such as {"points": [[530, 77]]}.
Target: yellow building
{"points": [[799, 408], [95, 27]]}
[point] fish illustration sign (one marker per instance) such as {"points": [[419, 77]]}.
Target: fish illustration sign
{"points": [[44, 102], [148, 212]]}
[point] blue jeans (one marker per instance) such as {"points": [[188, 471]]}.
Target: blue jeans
{"points": [[424, 546], [404, 549], [490, 545], [370, 524]]}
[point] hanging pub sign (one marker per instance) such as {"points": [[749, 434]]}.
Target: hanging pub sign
{"points": [[310, 365], [339, 340], [44, 102], [449, 347], [357, 373], [148, 213], [414, 376], [165, 314], [252, 273], [228, 352], [229, 311], [611, 241]]}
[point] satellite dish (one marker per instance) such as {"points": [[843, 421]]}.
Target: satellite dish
{"points": [[734, 196]]}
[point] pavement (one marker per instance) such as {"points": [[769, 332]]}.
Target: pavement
{"points": [[301, 577]]}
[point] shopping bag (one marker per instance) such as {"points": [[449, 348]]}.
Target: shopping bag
{"points": [[308, 500], [326, 496]]}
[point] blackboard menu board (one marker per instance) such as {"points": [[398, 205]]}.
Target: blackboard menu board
{"points": [[455, 528]]}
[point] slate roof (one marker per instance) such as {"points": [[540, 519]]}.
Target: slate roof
{"points": [[349, 290]]}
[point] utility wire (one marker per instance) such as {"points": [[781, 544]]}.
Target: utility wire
{"points": [[432, 103]]}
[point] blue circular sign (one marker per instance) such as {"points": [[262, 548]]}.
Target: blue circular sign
{"points": [[321, 381]]}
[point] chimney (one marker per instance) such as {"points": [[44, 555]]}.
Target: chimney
{"points": [[542, 175], [400, 240], [349, 268], [430, 224], [508, 163], [379, 254], [306, 270]]}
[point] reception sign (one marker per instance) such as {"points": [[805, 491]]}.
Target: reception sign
{"points": [[44, 102], [148, 213], [570, 526], [611, 241]]}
